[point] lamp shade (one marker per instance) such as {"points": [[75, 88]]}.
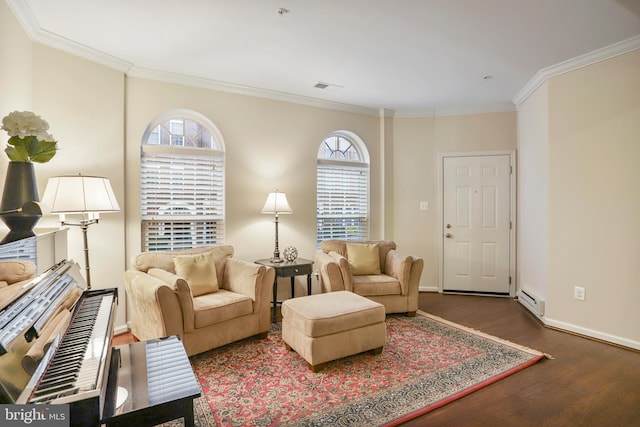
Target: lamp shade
{"points": [[79, 194], [276, 204]]}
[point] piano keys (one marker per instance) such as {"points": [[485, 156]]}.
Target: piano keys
{"points": [[75, 368], [80, 367]]}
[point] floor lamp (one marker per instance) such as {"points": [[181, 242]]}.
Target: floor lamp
{"points": [[87, 196], [276, 204]]}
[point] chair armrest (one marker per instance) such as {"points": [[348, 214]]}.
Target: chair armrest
{"points": [[329, 272], [399, 266], [335, 271], [345, 269], [253, 280], [154, 307], [182, 289]]}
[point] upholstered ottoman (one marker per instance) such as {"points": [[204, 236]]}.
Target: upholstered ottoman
{"points": [[326, 327]]}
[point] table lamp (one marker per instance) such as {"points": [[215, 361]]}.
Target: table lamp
{"points": [[276, 204]]}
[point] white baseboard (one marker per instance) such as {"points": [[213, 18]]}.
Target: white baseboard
{"points": [[428, 289], [625, 342]]}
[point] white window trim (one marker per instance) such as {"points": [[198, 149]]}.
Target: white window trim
{"points": [[365, 163], [217, 151]]}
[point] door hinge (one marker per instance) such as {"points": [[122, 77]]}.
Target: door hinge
{"points": [[510, 170], [509, 279]]}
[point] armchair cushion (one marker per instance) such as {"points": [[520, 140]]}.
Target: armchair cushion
{"points": [[215, 308], [199, 270], [376, 284], [364, 258]]}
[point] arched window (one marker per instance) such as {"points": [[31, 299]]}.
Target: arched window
{"points": [[342, 196], [182, 182]]}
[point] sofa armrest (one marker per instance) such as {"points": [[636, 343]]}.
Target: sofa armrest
{"points": [[154, 307], [399, 265]]}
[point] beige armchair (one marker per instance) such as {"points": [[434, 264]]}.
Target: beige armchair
{"points": [[203, 295], [373, 269]]}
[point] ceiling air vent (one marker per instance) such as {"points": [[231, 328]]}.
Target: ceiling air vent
{"points": [[321, 85]]}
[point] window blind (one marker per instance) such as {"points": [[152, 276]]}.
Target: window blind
{"points": [[342, 200], [182, 200]]}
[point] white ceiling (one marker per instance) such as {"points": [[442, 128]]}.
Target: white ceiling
{"points": [[409, 56]]}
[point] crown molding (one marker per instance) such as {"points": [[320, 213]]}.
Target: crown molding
{"points": [[505, 107], [590, 58], [456, 111], [37, 34], [386, 113], [181, 79]]}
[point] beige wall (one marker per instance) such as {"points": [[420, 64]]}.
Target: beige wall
{"points": [[579, 147], [84, 105], [15, 71], [415, 181], [417, 145], [594, 198]]}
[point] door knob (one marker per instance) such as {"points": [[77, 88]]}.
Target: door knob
{"points": [[448, 235], [448, 225]]}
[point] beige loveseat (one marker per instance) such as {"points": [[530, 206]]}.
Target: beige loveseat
{"points": [[372, 269], [177, 293]]}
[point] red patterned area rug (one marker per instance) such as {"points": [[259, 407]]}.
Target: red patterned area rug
{"points": [[427, 363]]}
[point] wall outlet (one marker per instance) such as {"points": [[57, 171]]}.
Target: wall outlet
{"points": [[424, 206], [578, 293]]}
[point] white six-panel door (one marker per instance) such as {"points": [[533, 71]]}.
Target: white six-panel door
{"points": [[476, 224]]}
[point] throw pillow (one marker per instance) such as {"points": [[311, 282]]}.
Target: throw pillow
{"points": [[364, 258], [199, 270]]}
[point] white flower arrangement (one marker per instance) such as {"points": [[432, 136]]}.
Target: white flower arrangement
{"points": [[29, 139]]}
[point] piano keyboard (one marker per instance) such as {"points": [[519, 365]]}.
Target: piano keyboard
{"points": [[75, 365]]}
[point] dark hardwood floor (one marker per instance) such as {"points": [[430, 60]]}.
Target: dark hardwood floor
{"points": [[587, 383]]}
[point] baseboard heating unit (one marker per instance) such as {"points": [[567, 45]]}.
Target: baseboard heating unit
{"points": [[532, 302]]}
